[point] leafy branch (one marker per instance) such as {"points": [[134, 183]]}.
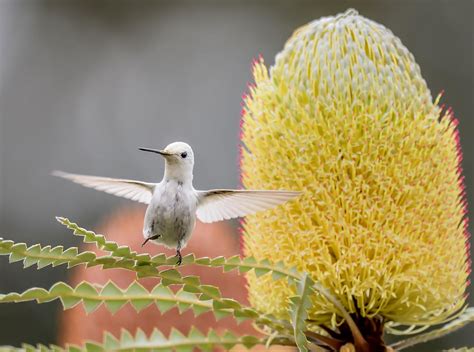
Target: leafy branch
{"points": [[43, 256], [278, 270], [299, 311], [192, 295], [114, 298], [55, 256], [156, 342], [192, 284]]}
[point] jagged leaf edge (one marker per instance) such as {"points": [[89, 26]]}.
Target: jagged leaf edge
{"points": [[299, 305]]}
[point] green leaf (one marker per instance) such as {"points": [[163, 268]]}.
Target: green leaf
{"points": [[206, 261], [135, 289], [93, 347], [144, 266], [102, 243], [113, 297], [144, 260], [156, 341], [89, 296], [64, 292], [220, 314], [16, 250], [179, 342], [116, 299], [44, 256], [110, 342], [299, 311], [35, 293], [218, 261], [170, 276], [209, 292]]}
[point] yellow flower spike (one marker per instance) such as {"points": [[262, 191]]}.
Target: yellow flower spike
{"points": [[345, 116]]}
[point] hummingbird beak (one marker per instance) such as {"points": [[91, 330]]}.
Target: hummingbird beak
{"points": [[161, 152]]}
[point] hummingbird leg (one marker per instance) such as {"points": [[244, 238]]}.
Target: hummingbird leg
{"points": [[178, 254], [180, 257], [150, 238]]}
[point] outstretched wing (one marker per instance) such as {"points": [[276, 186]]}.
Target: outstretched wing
{"points": [[224, 204], [130, 189]]}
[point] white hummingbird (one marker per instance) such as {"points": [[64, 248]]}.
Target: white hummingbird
{"points": [[174, 204]]}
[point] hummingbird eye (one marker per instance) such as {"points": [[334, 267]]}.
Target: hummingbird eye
{"points": [[184, 155]]}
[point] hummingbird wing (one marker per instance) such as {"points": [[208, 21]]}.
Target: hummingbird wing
{"points": [[224, 204], [130, 189]]}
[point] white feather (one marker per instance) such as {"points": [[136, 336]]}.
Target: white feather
{"points": [[130, 189], [224, 204]]}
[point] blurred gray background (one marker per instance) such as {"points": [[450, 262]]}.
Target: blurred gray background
{"points": [[83, 84]]}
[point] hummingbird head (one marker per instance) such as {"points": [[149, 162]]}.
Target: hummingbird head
{"points": [[179, 158]]}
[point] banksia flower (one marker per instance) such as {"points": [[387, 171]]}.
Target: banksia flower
{"points": [[345, 116]]}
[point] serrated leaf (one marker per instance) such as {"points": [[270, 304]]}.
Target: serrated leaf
{"points": [[60, 288], [232, 263], [176, 341], [201, 299], [44, 262], [186, 300], [34, 249], [93, 347], [188, 259], [218, 261], [211, 292], [159, 259], [164, 306], [85, 256], [162, 291], [192, 280], [110, 342], [16, 249], [110, 289], [192, 289], [228, 267], [203, 261], [157, 336], [29, 261], [175, 335], [170, 274], [135, 289], [70, 302], [299, 311], [226, 303], [140, 337], [114, 301], [86, 289], [34, 293], [234, 260], [195, 333], [89, 296], [220, 314], [277, 275], [126, 338], [250, 341], [260, 271], [90, 304], [122, 251], [99, 240], [198, 310]]}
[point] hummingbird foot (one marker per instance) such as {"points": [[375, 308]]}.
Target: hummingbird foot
{"points": [[180, 257], [151, 238]]}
